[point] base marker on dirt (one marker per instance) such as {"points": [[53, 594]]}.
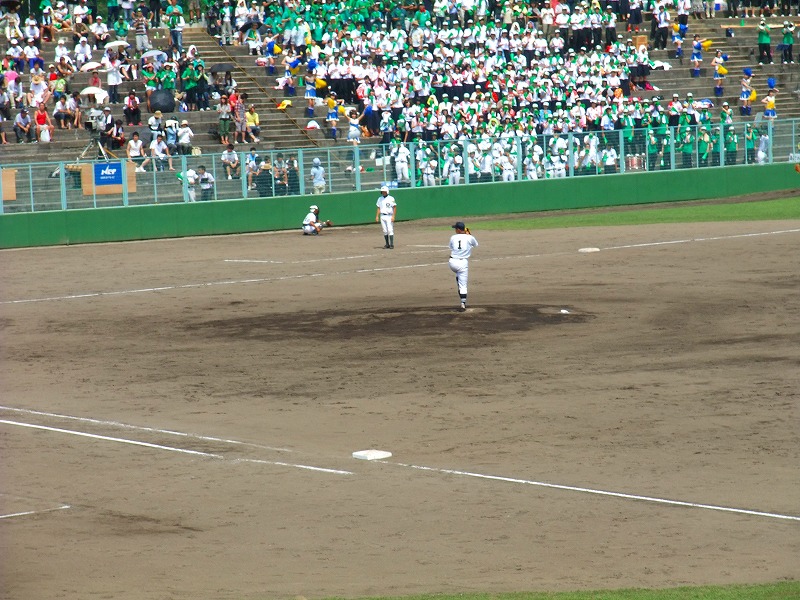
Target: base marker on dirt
{"points": [[588, 250], [372, 454]]}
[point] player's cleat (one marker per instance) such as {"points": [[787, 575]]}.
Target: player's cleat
{"points": [[463, 307], [391, 247], [386, 247]]}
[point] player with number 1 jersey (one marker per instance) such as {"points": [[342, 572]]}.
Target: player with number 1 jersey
{"points": [[461, 244]]}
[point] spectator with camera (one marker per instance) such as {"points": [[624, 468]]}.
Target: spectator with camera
{"points": [[206, 182]]}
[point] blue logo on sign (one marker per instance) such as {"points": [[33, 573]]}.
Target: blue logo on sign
{"points": [[108, 174]]}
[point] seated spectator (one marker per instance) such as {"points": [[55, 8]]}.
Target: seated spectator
{"points": [[135, 152], [23, 127], [31, 54], [83, 52], [159, 154], [185, 135], [99, 34], [62, 114], [132, 111], [121, 28], [44, 125], [74, 104], [253, 123], [230, 159], [116, 139]]}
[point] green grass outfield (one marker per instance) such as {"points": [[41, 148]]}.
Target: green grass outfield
{"points": [[767, 210], [788, 590]]}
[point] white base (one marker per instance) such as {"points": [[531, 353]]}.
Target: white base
{"points": [[372, 454], [587, 250]]}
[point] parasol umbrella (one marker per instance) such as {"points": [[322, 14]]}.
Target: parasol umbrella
{"points": [[11, 75], [90, 66], [117, 44], [249, 25], [223, 68], [157, 54], [99, 93]]}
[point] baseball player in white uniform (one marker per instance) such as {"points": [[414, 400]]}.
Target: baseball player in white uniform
{"points": [[461, 244], [311, 224], [387, 209]]}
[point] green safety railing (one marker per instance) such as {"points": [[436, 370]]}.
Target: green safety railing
{"points": [[53, 186]]}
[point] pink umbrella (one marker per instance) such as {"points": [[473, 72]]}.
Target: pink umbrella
{"points": [[11, 75]]}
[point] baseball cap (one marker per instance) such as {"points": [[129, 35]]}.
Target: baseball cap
{"points": [[384, 188], [313, 207], [458, 225]]}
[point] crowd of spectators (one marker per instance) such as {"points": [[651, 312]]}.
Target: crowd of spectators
{"points": [[452, 70]]}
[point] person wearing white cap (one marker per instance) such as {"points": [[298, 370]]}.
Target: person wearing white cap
{"points": [[83, 52], [317, 174], [184, 138], [461, 244], [312, 224], [385, 215]]}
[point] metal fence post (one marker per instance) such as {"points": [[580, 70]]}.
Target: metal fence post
{"points": [[30, 187], [62, 184], [184, 179], [124, 172], [301, 171], [770, 132], [357, 168], [621, 156]]}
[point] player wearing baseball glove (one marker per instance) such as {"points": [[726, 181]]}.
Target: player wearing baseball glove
{"points": [[312, 225]]}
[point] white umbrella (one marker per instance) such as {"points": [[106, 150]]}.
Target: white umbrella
{"points": [[90, 66], [118, 44], [99, 93], [154, 54]]}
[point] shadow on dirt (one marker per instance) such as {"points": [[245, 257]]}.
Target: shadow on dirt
{"points": [[402, 322]]}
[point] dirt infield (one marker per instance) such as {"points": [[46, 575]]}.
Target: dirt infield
{"points": [[179, 420]]}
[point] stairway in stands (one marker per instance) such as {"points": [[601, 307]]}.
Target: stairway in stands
{"points": [[742, 51]]}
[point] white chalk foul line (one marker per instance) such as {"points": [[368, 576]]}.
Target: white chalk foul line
{"points": [[331, 259], [584, 490], [34, 512], [195, 436], [188, 286], [168, 448], [703, 239]]}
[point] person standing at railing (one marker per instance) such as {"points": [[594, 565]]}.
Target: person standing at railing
{"points": [[687, 145], [206, 182], [762, 154], [731, 146], [703, 147]]}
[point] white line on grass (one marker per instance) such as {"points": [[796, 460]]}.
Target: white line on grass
{"points": [[34, 512], [169, 448], [332, 259], [584, 490], [140, 428], [376, 270]]}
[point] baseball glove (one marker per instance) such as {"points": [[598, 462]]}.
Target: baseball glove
{"points": [[327, 223]]}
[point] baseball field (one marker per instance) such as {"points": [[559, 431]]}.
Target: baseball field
{"points": [[618, 408]]}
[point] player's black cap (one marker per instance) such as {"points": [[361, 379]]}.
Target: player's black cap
{"points": [[458, 225]]}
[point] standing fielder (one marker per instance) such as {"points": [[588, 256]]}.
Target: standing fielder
{"points": [[461, 245], [387, 209]]}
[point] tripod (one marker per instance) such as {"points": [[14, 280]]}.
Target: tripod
{"points": [[102, 151]]}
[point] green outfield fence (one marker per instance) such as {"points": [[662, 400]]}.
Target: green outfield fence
{"points": [[54, 204]]}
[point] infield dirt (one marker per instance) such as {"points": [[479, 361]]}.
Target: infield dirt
{"points": [[674, 375]]}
